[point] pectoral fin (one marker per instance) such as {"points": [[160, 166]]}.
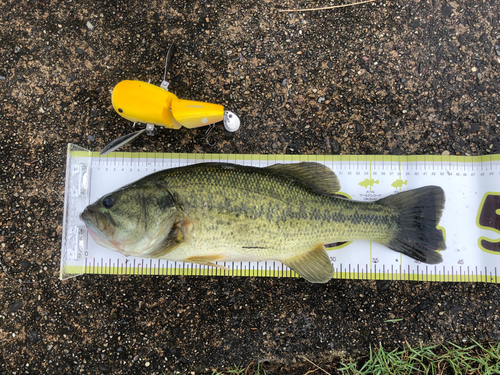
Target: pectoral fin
{"points": [[178, 234], [314, 265], [207, 260]]}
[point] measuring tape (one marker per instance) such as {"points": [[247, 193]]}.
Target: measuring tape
{"points": [[470, 221]]}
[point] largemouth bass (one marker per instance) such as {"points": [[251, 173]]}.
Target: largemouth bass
{"points": [[209, 212]]}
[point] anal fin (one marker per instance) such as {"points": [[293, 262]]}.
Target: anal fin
{"points": [[313, 265]]}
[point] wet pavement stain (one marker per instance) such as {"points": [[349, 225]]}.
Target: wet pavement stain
{"points": [[391, 77]]}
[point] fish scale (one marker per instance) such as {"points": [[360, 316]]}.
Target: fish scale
{"points": [[350, 222]]}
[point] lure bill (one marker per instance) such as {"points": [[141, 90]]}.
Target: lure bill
{"points": [[118, 142]]}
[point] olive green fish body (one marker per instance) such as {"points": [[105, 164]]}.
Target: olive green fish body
{"points": [[212, 212]]}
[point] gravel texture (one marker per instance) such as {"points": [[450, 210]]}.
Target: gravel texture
{"points": [[389, 77]]}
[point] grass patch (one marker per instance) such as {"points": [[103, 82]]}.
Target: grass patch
{"points": [[439, 359], [475, 359]]}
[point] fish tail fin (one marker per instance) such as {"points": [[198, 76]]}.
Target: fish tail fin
{"points": [[419, 212]]}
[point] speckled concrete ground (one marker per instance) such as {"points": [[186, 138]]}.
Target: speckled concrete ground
{"points": [[400, 77]]}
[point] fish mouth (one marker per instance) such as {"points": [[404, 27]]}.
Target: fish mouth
{"points": [[89, 217]]}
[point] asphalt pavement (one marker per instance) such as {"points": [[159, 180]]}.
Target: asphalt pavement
{"points": [[387, 77]]}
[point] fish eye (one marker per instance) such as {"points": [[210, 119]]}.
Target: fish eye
{"points": [[120, 110], [108, 201]]}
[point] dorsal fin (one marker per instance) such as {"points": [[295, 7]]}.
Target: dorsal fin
{"points": [[319, 176]]}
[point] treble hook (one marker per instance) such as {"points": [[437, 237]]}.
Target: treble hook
{"points": [[207, 134]]}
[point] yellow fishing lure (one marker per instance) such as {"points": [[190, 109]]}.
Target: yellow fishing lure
{"points": [[142, 102]]}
